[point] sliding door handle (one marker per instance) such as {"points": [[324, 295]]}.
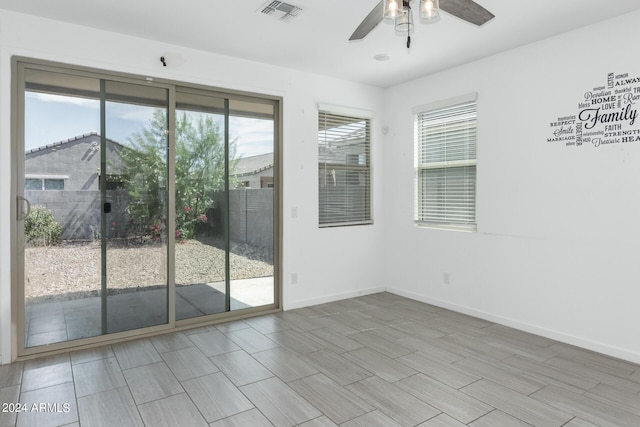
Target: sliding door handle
{"points": [[22, 213]]}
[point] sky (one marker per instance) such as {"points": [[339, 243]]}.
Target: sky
{"points": [[52, 118]]}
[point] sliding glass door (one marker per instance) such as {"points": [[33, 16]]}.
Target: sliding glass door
{"points": [[59, 200], [251, 204], [141, 205], [94, 230], [201, 204], [134, 198], [224, 203]]}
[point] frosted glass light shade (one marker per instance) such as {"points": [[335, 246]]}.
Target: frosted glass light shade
{"points": [[404, 23], [429, 10], [391, 9]]}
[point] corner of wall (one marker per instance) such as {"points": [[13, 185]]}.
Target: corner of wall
{"points": [[292, 305]]}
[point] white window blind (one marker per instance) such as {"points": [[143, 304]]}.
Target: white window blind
{"points": [[344, 165], [446, 166]]}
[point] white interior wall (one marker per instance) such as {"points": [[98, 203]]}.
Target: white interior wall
{"points": [[330, 264], [558, 232]]}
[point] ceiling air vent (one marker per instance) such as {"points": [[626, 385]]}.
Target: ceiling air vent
{"points": [[280, 10]]}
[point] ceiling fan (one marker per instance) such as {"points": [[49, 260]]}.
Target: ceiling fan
{"points": [[399, 12]]}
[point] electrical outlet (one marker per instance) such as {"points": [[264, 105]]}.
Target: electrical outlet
{"points": [[446, 278], [294, 278]]}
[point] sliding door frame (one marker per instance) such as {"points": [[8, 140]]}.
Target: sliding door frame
{"points": [[19, 65]]}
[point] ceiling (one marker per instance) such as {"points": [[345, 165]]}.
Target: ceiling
{"points": [[317, 39]]}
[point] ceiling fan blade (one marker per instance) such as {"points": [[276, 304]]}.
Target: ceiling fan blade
{"points": [[369, 23], [468, 10]]}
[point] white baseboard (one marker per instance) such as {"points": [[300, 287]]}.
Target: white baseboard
{"points": [[609, 350], [292, 305]]}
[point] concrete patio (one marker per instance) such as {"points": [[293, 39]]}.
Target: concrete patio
{"points": [[54, 322]]}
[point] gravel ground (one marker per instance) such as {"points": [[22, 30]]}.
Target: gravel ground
{"points": [[72, 271]]}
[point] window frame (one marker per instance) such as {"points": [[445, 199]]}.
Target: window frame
{"points": [[42, 179], [419, 167], [346, 168]]}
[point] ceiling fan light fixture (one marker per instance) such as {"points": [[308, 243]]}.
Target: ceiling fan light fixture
{"points": [[391, 9], [404, 23], [429, 10], [399, 13]]}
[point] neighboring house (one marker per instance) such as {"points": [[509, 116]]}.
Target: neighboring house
{"points": [[255, 171], [64, 177], [74, 165], [71, 165]]}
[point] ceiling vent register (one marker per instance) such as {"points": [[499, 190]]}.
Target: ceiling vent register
{"points": [[280, 10]]}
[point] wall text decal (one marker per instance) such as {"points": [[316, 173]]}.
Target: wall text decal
{"points": [[606, 115]]}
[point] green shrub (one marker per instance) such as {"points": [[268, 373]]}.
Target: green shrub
{"points": [[41, 228]]}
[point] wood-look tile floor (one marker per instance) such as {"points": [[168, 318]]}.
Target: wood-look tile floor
{"points": [[377, 360]]}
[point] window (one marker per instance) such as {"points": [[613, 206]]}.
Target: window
{"points": [[266, 182], [33, 184], [344, 158], [54, 184], [44, 183], [446, 164]]}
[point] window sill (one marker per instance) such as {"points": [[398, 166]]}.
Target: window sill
{"points": [[449, 227], [345, 224]]}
